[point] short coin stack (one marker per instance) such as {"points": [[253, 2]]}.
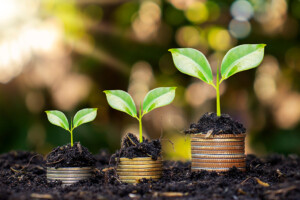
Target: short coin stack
{"points": [[68, 175], [132, 170], [218, 153]]}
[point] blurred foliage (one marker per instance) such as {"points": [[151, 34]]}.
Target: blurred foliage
{"points": [[62, 54]]}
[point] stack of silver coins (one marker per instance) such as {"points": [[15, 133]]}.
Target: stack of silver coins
{"points": [[218, 152], [68, 175]]}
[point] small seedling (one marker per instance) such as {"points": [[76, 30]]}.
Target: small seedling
{"points": [[122, 101], [81, 117], [192, 62]]}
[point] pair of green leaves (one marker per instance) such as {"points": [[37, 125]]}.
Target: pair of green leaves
{"points": [[81, 117], [122, 101], [193, 62]]}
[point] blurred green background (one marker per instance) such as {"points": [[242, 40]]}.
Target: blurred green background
{"points": [[61, 55]]}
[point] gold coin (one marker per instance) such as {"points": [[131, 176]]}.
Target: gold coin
{"points": [[140, 162], [138, 159], [139, 170], [139, 173], [121, 166]]}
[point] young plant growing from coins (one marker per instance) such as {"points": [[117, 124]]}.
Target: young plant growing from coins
{"points": [[122, 101], [192, 62], [81, 117]]}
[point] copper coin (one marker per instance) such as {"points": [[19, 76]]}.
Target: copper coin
{"points": [[193, 147], [217, 140], [205, 143], [218, 165], [219, 152], [195, 169], [218, 160], [212, 156], [139, 173], [140, 170]]}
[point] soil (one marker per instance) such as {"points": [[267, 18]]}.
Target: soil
{"points": [[67, 156], [210, 122], [132, 148], [22, 176]]}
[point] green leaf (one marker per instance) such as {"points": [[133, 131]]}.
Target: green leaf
{"points": [[121, 101], [157, 98], [192, 62], [84, 116], [241, 58], [58, 118]]}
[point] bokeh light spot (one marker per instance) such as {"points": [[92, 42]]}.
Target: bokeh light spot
{"points": [[239, 29], [241, 10], [219, 39], [197, 13]]}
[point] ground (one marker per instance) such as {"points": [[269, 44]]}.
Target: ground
{"points": [[23, 176]]}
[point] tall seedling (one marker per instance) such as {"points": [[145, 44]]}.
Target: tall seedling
{"points": [[122, 101], [192, 62], [81, 117]]}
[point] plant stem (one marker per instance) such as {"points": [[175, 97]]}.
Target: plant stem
{"points": [[71, 132], [140, 125], [218, 93], [71, 137]]}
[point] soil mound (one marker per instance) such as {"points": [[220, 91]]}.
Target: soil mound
{"points": [[67, 156], [219, 125], [131, 148]]}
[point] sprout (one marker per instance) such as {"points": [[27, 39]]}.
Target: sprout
{"points": [[155, 98], [81, 117], [192, 62]]}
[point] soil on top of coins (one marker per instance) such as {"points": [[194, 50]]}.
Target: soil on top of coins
{"points": [[132, 148], [216, 125], [67, 156], [23, 176]]}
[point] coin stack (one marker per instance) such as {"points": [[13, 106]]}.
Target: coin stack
{"points": [[68, 175], [132, 170], [218, 153]]}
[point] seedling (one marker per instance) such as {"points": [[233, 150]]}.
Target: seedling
{"points": [[192, 62], [122, 101], [81, 117]]}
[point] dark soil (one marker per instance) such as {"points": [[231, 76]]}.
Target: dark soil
{"points": [[218, 125], [67, 156], [274, 177], [132, 148]]}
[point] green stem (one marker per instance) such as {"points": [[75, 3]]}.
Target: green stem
{"points": [[140, 125], [218, 93], [71, 137], [71, 132]]}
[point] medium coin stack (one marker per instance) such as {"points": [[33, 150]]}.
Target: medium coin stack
{"points": [[68, 175], [218, 153], [132, 170]]}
